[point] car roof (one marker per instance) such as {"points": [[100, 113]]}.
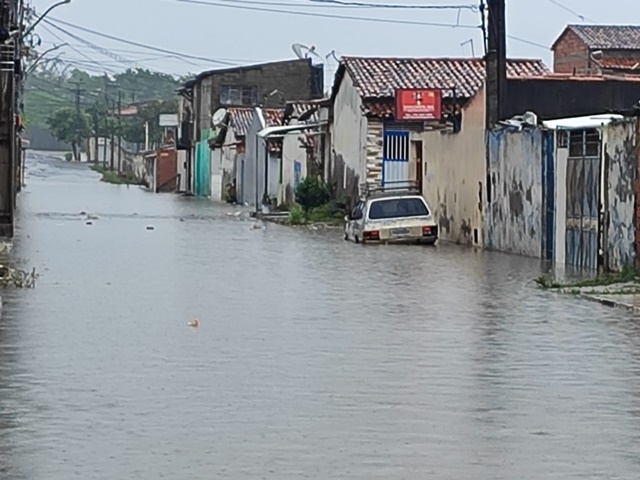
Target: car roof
{"points": [[394, 197]]}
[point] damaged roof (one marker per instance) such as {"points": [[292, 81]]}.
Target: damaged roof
{"points": [[605, 37], [296, 109], [241, 118], [380, 77]]}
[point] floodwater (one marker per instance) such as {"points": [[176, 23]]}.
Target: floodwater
{"points": [[314, 358]]}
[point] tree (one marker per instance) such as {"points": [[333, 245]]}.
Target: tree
{"points": [[70, 126]]}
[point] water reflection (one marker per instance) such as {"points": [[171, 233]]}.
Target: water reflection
{"points": [[315, 358]]}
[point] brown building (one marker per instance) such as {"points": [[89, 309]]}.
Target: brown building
{"points": [[269, 84], [597, 49]]}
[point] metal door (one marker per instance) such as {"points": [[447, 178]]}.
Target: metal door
{"points": [[395, 158], [583, 199]]}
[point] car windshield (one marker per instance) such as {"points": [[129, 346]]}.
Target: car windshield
{"points": [[398, 208]]}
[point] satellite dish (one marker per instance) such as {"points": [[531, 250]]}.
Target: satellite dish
{"points": [[303, 52], [219, 117]]}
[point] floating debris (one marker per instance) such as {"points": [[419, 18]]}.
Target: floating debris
{"points": [[150, 227], [88, 222], [10, 276], [195, 323]]}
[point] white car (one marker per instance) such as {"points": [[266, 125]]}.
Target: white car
{"points": [[392, 219]]}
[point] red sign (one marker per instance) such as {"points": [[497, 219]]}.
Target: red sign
{"points": [[418, 105]]}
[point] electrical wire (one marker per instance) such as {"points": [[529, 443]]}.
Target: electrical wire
{"points": [[340, 4], [328, 15], [138, 44], [571, 11]]}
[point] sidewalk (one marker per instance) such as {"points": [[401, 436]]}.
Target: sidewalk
{"points": [[621, 295]]}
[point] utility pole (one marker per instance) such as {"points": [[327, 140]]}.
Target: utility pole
{"points": [[10, 52], [79, 134], [119, 131], [496, 63]]}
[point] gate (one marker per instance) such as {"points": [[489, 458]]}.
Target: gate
{"points": [[583, 199], [395, 158]]}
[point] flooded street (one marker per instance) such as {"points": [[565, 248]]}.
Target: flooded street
{"points": [[314, 359]]}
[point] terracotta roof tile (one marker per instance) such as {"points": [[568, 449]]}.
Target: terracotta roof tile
{"points": [[379, 77], [621, 63], [608, 37], [241, 118]]}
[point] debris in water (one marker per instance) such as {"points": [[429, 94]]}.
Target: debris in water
{"points": [[10, 276], [150, 227], [88, 222], [195, 323]]}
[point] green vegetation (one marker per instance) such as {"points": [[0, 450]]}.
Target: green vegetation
{"points": [[115, 178], [329, 213], [52, 95], [312, 193], [628, 275], [68, 156]]}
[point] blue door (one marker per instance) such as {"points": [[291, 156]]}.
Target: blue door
{"points": [[395, 158]]}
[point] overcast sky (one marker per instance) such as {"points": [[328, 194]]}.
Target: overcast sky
{"points": [[232, 32]]}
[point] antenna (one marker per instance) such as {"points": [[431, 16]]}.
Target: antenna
{"points": [[304, 52], [469, 42]]}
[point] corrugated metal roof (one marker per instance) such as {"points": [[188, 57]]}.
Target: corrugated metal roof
{"points": [[380, 77], [592, 121], [606, 37]]}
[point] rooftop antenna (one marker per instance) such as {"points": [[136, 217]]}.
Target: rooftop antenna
{"points": [[469, 42], [303, 52]]}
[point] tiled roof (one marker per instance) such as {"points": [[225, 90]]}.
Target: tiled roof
{"points": [[631, 64], [379, 77], [241, 118], [299, 108], [607, 37]]}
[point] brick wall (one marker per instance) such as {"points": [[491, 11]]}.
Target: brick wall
{"points": [[166, 170], [570, 54]]}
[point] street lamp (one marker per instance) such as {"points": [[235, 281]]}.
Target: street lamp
{"points": [[46, 12]]}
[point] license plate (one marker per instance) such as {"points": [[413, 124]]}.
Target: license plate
{"points": [[400, 232]]}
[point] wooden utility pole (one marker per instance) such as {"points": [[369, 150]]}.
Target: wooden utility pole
{"points": [[496, 62], [9, 56]]}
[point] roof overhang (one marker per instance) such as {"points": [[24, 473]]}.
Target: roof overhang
{"points": [[273, 131]]}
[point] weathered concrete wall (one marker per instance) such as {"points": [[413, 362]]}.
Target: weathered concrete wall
{"points": [[561, 163], [620, 162], [514, 213], [454, 176], [294, 159], [349, 141]]}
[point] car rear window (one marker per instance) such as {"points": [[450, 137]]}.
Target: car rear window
{"points": [[397, 208]]}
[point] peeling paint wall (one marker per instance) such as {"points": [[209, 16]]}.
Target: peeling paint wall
{"points": [[348, 141], [454, 174], [514, 211], [620, 163]]}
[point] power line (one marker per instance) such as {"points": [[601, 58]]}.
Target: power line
{"points": [[571, 11], [328, 15], [140, 45], [341, 4]]}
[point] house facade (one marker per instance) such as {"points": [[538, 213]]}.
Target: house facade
{"points": [[597, 49], [446, 158], [267, 85]]}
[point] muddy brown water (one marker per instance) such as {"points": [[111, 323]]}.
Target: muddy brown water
{"points": [[314, 358]]}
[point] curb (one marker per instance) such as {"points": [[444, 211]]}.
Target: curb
{"points": [[609, 302]]}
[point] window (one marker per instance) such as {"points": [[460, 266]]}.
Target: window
{"points": [[398, 208], [238, 95]]}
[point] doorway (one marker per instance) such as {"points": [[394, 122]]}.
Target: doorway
{"points": [[416, 162]]}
